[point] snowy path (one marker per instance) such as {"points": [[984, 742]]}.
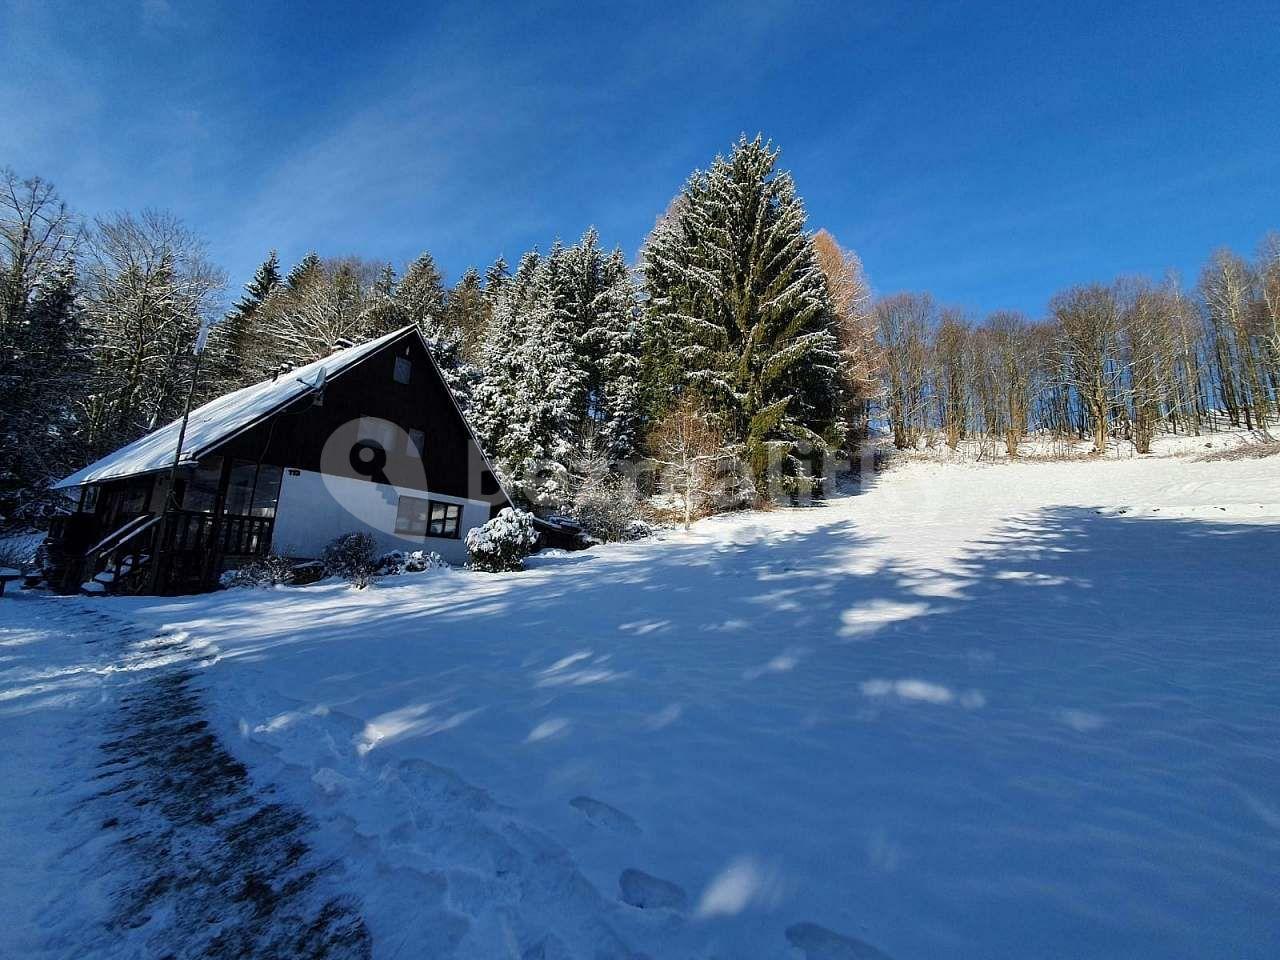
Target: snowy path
{"points": [[128, 829], [1007, 712]]}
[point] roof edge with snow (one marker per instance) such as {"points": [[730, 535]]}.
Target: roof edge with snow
{"points": [[220, 419]]}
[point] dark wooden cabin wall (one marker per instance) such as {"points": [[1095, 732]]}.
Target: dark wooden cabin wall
{"points": [[296, 436]]}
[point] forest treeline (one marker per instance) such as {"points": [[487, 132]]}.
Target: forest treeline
{"points": [[741, 346]]}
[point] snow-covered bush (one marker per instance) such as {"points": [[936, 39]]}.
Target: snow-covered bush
{"points": [[637, 530], [417, 561], [503, 542], [607, 509], [265, 571], [350, 557]]}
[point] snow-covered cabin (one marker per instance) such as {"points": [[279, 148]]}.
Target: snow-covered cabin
{"points": [[368, 439]]}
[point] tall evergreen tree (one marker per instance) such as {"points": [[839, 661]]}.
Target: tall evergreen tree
{"points": [[307, 267], [421, 300], [467, 310], [735, 289], [421, 295], [237, 345], [561, 366], [40, 385]]}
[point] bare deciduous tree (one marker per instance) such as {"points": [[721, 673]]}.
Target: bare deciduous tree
{"points": [[148, 286], [850, 294], [693, 456], [1088, 321], [902, 325], [38, 235]]}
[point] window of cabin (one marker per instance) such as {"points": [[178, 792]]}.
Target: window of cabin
{"points": [[411, 517], [445, 519], [202, 488], [404, 370], [253, 490], [89, 500], [417, 444]]}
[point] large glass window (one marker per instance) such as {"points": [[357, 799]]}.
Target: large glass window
{"points": [[411, 517], [253, 491], [202, 488], [416, 517]]}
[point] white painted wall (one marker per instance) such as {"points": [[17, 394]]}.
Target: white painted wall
{"points": [[313, 509]]}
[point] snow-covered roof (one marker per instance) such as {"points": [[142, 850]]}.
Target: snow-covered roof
{"points": [[219, 419]]}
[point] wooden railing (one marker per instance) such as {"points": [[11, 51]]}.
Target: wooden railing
{"points": [[190, 548]]}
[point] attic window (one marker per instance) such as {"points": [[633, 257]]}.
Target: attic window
{"points": [[404, 369], [417, 444]]}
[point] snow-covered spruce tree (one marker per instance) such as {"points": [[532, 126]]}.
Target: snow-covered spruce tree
{"points": [[548, 383], [561, 367], [421, 300], [305, 268], [42, 350], [499, 394], [236, 346], [41, 373], [607, 344], [741, 308]]}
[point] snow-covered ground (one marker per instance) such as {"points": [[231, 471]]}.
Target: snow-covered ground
{"points": [[997, 711]]}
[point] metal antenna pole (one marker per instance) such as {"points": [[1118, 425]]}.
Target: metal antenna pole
{"points": [[170, 497]]}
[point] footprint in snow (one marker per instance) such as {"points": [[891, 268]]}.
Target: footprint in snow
{"points": [[648, 892], [602, 815], [819, 943]]}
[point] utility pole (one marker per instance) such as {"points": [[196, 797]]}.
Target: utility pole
{"points": [[170, 497]]}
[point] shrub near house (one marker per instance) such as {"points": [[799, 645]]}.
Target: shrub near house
{"points": [[503, 543]]}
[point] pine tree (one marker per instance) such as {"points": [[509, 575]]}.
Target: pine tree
{"points": [[735, 289], [307, 267], [40, 383], [421, 295], [561, 367], [236, 346], [421, 300], [497, 274], [382, 314], [467, 310]]}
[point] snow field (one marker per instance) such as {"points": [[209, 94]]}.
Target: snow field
{"points": [[1002, 711]]}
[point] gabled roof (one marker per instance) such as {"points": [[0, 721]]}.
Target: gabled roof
{"points": [[219, 419]]}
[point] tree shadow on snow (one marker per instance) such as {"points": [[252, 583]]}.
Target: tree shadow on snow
{"points": [[1084, 701]]}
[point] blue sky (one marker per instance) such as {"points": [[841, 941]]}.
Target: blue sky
{"points": [[989, 153]]}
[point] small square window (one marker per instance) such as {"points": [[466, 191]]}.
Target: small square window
{"points": [[404, 369], [417, 444], [445, 519]]}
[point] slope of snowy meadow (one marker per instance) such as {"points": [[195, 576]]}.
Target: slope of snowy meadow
{"points": [[999, 711]]}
